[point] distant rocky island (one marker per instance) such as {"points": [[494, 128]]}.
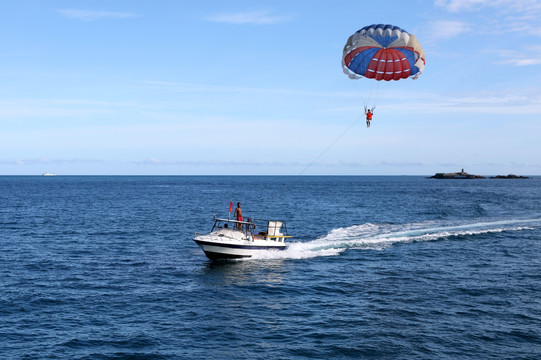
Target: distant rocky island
{"points": [[457, 175], [464, 175], [510, 176]]}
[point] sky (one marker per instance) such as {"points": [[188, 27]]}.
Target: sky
{"points": [[171, 87]]}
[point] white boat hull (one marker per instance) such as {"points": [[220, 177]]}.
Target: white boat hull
{"points": [[226, 248], [240, 240]]}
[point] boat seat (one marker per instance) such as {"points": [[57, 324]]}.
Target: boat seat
{"points": [[274, 228]]}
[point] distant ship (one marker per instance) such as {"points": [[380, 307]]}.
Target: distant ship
{"points": [[48, 174]]}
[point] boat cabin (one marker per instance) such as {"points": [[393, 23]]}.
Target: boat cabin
{"points": [[257, 229]]}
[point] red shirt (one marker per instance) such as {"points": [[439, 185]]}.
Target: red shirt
{"points": [[368, 116]]}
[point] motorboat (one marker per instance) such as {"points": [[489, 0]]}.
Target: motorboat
{"points": [[231, 239]]}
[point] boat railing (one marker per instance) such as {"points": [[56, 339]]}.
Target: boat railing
{"points": [[257, 229], [272, 226]]}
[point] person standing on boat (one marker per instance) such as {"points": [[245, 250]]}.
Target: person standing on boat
{"points": [[238, 215], [251, 226]]}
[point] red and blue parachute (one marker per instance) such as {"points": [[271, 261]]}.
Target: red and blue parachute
{"points": [[383, 52]]}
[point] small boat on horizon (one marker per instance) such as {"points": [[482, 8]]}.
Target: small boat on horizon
{"points": [[48, 174], [233, 239]]}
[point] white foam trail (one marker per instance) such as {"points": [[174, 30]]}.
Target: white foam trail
{"points": [[379, 237]]}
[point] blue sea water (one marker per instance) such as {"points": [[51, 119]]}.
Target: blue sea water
{"points": [[379, 268]]}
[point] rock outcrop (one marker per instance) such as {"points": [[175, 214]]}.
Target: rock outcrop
{"points": [[458, 175], [510, 176]]}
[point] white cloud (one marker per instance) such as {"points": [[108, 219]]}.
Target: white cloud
{"points": [[463, 5], [215, 163], [48, 161], [253, 18], [91, 15], [488, 17], [517, 60], [523, 62], [530, 55], [517, 15], [523, 101], [456, 6], [446, 29], [527, 23]]}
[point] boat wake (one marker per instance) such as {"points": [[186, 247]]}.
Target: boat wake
{"points": [[380, 236]]}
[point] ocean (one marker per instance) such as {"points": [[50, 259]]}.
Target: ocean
{"points": [[379, 267]]}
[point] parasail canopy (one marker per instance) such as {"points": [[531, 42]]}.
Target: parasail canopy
{"points": [[383, 52]]}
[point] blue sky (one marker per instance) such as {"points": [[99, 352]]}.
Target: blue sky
{"points": [[245, 87]]}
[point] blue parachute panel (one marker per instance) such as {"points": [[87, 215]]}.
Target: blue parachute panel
{"points": [[360, 63]]}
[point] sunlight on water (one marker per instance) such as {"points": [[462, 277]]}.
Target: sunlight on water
{"points": [[378, 237]]}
